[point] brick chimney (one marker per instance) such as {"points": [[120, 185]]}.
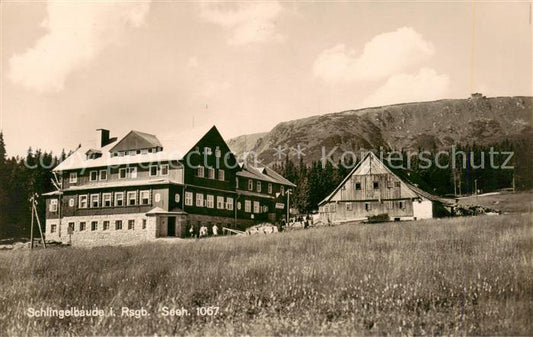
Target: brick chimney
{"points": [[104, 137]]}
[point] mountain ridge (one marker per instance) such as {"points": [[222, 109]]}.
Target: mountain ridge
{"points": [[410, 126]]}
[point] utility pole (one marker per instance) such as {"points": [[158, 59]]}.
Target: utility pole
{"points": [[288, 205], [36, 215]]}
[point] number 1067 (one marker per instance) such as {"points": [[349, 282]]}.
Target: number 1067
{"points": [[207, 311]]}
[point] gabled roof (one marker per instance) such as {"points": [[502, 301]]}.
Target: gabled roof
{"points": [[136, 140], [370, 164], [177, 147], [264, 174]]}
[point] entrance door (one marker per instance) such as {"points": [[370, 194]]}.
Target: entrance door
{"points": [[171, 226]]}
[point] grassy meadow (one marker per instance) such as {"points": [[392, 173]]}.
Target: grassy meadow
{"points": [[461, 276]]}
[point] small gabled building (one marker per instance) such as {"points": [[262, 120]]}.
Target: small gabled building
{"points": [[370, 189], [133, 189]]}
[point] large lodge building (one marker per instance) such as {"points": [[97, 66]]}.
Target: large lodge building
{"points": [[132, 190]]}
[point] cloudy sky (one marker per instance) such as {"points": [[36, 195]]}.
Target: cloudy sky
{"points": [[167, 68]]}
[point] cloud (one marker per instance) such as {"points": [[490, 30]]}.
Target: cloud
{"points": [[248, 22], [426, 85], [77, 33], [384, 55]]}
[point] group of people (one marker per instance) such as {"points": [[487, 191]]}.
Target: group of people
{"points": [[306, 221], [203, 231]]}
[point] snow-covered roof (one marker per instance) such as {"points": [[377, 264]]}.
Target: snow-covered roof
{"points": [[176, 146]]}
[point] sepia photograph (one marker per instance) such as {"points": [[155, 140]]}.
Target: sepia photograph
{"points": [[266, 168]]}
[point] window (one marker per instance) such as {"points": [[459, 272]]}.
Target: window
{"points": [[153, 170], [132, 198], [103, 174], [357, 186], [376, 185], [396, 184], [132, 153], [53, 205], [95, 200], [164, 170], [132, 172], [73, 177], [118, 225], [131, 224], [94, 225], [269, 188], [105, 226], [217, 153], [256, 206], [207, 150], [144, 224], [82, 202], [220, 202], [368, 206], [258, 186], [119, 199], [201, 171], [82, 226], [210, 201], [144, 151], [199, 200], [221, 175], [93, 176], [349, 206], [333, 208], [106, 199], [122, 173], [211, 173], [282, 190], [71, 202], [229, 204], [70, 227], [188, 198], [145, 197], [401, 205], [247, 206], [250, 185], [53, 228]]}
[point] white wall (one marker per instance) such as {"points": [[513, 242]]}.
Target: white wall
{"points": [[423, 209]]}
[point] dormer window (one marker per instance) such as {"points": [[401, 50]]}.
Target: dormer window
{"points": [[93, 176], [164, 170]]}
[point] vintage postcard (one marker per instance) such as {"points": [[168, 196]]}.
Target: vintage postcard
{"points": [[266, 168]]}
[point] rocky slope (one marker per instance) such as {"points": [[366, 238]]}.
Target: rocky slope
{"points": [[410, 126]]}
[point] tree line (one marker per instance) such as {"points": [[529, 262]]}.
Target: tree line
{"points": [[316, 180], [20, 177]]}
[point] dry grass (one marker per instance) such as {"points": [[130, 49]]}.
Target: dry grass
{"points": [[520, 202], [463, 276]]}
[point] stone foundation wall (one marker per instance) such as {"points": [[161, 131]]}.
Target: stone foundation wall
{"points": [[100, 237]]}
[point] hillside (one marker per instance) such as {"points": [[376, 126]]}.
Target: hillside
{"points": [[438, 124], [245, 142]]}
